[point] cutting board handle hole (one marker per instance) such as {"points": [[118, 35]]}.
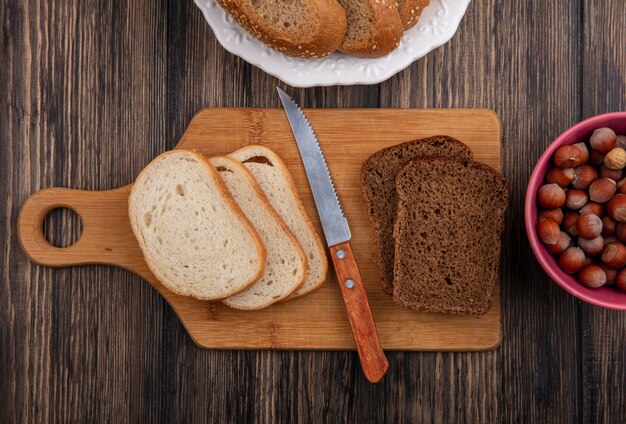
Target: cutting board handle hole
{"points": [[62, 227]]}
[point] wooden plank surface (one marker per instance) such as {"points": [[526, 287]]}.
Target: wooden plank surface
{"points": [[317, 321], [91, 91]]}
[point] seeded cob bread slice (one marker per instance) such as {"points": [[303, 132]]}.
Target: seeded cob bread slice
{"points": [[195, 239], [303, 28], [374, 27], [448, 235], [286, 263], [278, 186], [410, 11], [379, 190]]}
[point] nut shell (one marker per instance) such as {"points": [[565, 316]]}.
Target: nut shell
{"points": [[583, 176], [614, 255], [602, 189], [603, 140], [561, 245], [561, 177], [592, 247], [615, 159], [575, 199], [620, 280], [555, 214], [588, 226], [608, 226], [551, 196], [548, 230], [569, 157], [594, 208], [616, 207], [592, 276], [572, 260]]}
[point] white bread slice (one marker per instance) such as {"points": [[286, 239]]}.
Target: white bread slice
{"points": [[286, 262], [195, 239], [276, 182]]}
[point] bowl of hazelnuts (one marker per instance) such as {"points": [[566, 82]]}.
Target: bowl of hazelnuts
{"points": [[575, 210]]}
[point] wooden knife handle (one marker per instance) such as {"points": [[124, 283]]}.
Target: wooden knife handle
{"points": [[372, 357]]}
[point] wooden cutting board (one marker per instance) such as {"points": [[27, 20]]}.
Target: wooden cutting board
{"points": [[316, 321]]}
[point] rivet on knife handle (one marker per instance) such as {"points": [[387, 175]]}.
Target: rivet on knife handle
{"points": [[373, 358]]}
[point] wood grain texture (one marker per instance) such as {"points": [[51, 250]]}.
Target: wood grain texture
{"points": [[91, 91], [108, 239]]}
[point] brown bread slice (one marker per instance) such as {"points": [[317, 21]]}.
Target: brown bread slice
{"points": [[379, 190], [374, 27], [448, 235], [304, 28], [410, 11]]}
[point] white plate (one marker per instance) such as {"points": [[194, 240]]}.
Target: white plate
{"points": [[436, 27]]}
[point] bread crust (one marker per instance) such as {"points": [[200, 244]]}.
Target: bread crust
{"points": [[258, 150], [331, 27], [410, 11], [385, 32], [236, 210], [233, 164]]}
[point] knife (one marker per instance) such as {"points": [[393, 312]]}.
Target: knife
{"points": [[337, 233]]}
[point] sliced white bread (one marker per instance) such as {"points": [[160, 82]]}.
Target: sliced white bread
{"points": [[195, 239], [286, 262], [276, 182]]}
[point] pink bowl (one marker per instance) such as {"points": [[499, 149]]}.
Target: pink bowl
{"points": [[607, 297]]}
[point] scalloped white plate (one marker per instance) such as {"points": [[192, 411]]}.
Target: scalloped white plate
{"points": [[436, 27]]}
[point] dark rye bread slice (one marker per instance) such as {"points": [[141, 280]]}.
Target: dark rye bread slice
{"points": [[378, 186], [303, 28], [448, 235]]}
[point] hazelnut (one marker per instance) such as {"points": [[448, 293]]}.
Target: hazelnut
{"points": [[620, 280], [595, 158], [554, 214], [592, 276], [620, 141], [584, 151], [610, 239], [608, 226], [548, 231], [616, 207], [614, 174], [569, 223], [588, 226], [614, 255], [610, 274], [583, 176], [561, 244], [603, 140], [621, 186], [592, 207], [551, 196], [620, 232], [615, 159], [602, 189], [569, 157], [561, 177], [572, 260], [591, 247], [575, 199]]}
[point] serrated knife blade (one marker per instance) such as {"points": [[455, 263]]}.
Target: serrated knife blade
{"points": [[334, 223], [337, 233]]}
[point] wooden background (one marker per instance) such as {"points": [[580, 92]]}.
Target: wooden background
{"points": [[92, 90]]}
